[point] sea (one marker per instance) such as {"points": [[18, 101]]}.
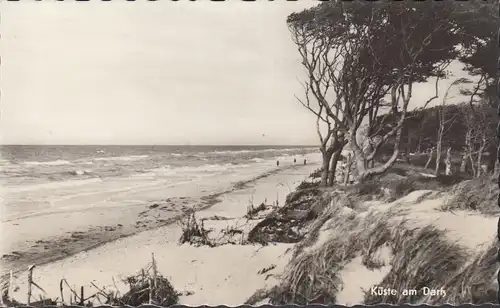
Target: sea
{"points": [[25, 166]]}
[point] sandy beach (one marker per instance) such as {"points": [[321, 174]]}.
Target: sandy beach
{"points": [[123, 256]]}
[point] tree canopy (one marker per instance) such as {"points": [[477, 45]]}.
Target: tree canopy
{"points": [[368, 55]]}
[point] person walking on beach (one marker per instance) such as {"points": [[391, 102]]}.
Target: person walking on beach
{"points": [[305, 161], [277, 163], [294, 160]]}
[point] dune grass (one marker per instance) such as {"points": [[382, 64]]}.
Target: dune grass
{"points": [[421, 257], [475, 284], [393, 186], [313, 277], [479, 194]]}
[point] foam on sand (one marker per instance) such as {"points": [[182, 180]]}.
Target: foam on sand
{"points": [[48, 163]]}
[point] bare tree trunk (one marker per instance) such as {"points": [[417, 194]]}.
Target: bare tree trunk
{"points": [[361, 164], [472, 164], [347, 169], [479, 167], [438, 152], [333, 167], [448, 162], [419, 145], [326, 156], [463, 163], [470, 149], [429, 159], [407, 156]]}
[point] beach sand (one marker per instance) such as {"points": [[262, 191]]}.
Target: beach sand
{"points": [[48, 224], [226, 274], [229, 274]]}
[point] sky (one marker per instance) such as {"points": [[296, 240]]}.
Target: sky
{"points": [[164, 72]]}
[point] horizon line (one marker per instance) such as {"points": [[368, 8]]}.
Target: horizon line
{"points": [[171, 145]]}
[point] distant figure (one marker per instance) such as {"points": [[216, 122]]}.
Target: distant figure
{"points": [[277, 163], [305, 161], [294, 160]]}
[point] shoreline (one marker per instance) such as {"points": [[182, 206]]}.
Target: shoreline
{"points": [[153, 216]]}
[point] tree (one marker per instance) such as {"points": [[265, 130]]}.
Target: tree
{"points": [[480, 133], [362, 59], [444, 125], [478, 23]]}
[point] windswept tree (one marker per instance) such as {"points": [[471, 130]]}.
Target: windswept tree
{"points": [[477, 23], [361, 61]]}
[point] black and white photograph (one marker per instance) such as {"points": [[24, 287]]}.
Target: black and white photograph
{"points": [[248, 152]]}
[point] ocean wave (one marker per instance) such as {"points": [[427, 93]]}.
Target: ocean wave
{"points": [[167, 169], [51, 185], [58, 162], [235, 152], [121, 158]]}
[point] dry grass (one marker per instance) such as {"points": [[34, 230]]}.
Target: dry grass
{"points": [[289, 224], [479, 194], [422, 258], [253, 211], [474, 284], [149, 287], [313, 275], [393, 186], [194, 232]]}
